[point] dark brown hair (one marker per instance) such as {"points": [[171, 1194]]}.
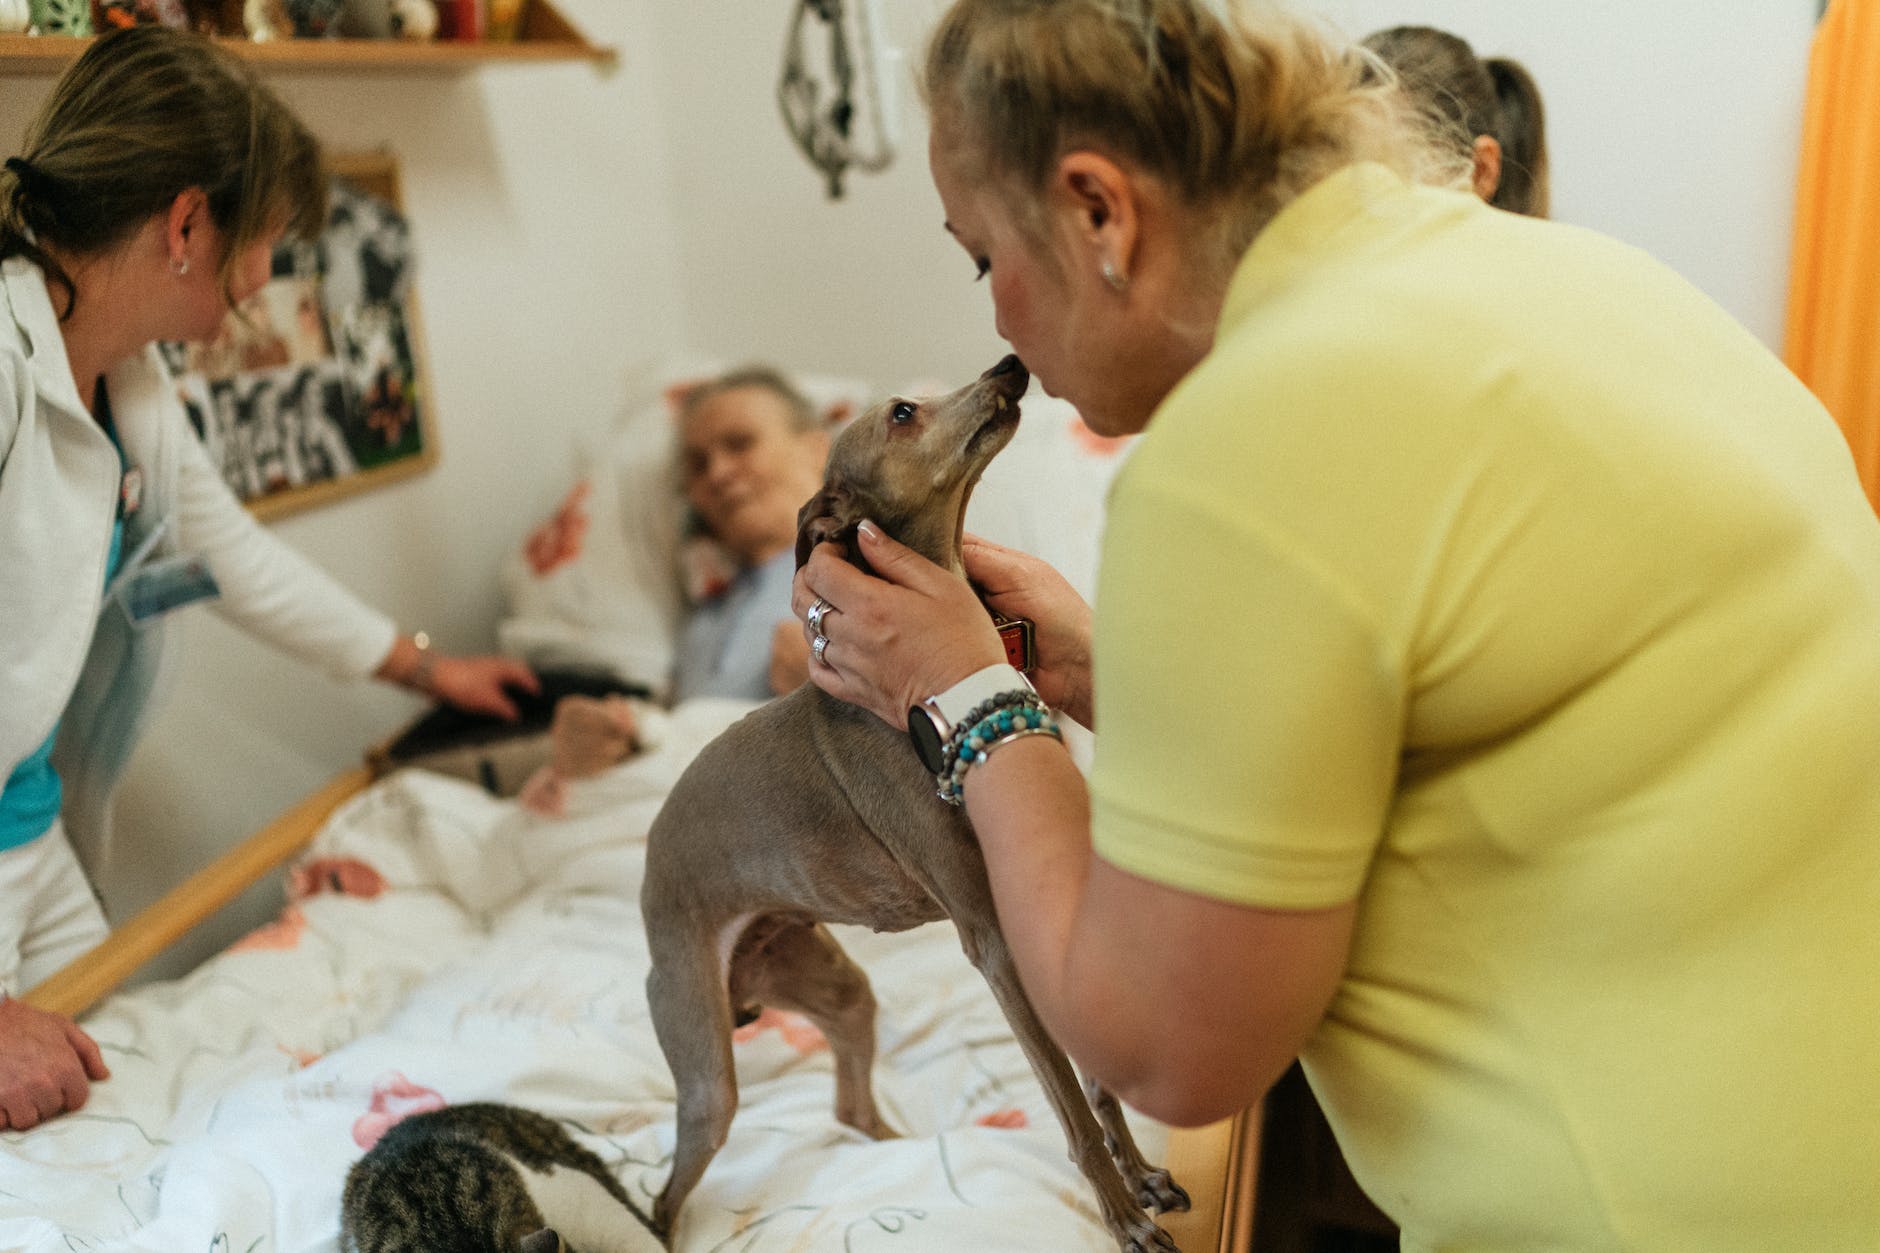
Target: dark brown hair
{"points": [[147, 113], [1467, 96]]}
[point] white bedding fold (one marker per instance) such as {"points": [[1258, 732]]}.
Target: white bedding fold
{"points": [[444, 946]]}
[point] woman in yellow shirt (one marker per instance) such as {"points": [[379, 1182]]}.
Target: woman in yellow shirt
{"points": [[1486, 659]]}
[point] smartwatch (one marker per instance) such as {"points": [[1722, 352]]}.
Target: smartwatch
{"points": [[930, 724]]}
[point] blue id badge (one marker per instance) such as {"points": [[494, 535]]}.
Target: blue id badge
{"points": [[160, 587], [148, 588]]}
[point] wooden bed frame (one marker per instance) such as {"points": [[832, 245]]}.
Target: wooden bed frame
{"points": [[1217, 1164]]}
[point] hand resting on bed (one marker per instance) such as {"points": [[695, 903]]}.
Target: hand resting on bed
{"points": [[47, 1066]]}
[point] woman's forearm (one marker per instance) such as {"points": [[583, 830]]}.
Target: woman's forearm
{"points": [[402, 663], [1031, 813], [1185, 1006], [1032, 816]]}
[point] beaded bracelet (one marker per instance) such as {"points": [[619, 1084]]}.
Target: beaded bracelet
{"points": [[1018, 698], [1013, 716]]}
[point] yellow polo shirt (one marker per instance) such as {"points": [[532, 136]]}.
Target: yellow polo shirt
{"points": [[1487, 574]]}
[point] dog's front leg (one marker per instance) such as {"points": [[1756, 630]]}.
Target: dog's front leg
{"points": [[1134, 1230], [1154, 1187]]}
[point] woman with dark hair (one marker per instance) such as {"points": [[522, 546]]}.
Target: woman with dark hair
{"points": [[154, 185], [1489, 110]]}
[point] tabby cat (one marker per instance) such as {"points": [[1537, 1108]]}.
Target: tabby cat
{"points": [[487, 1178]]}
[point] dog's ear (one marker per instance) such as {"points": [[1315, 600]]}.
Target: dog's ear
{"points": [[831, 514], [826, 516]]}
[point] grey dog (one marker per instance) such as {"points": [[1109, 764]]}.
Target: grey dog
{"points": [[812, 811]]}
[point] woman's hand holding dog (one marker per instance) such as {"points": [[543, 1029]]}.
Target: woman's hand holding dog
{"points": [[897, 639], [1019, 585]]}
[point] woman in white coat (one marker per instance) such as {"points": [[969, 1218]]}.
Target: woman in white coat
{"points": [[153, 188]]}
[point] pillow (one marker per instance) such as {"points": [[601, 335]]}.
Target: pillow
{"points": [[595, 586], [599, 585]]}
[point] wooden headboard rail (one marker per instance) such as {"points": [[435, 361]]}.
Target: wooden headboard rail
{"points": [[88, 979]]}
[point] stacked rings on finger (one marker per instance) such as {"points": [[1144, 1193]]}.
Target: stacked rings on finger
{"points": [[818, 646], [814, 618]]}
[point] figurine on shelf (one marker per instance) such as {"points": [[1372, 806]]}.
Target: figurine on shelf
{"points": [[15, 16], [366, 19], [62, 17], [290, 19], [503, 19], [414, 19], [266, 19], [108, 15], [314, 19], [215, 17], [460, 19]]}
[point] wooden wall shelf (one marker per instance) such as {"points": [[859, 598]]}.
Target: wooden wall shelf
{"points": [[545, 36]]}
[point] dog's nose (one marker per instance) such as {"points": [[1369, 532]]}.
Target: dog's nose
{"points": [[1006, 366]]}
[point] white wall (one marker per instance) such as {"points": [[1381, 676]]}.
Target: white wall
{"points": [[575, 227], [870, 285], [1674, 126]]}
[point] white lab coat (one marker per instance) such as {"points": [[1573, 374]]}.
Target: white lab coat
{"points": [[66, 656]]}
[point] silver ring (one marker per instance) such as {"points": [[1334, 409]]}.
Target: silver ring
{"points": [[818, 646], [814, 618]]}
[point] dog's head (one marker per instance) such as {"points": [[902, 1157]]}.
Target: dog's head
{"points": [[910, 467]]}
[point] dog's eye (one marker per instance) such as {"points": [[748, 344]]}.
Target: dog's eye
{"points": [[902, 413]]}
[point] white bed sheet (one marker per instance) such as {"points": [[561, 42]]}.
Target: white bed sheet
{"points": [[444, 946]]}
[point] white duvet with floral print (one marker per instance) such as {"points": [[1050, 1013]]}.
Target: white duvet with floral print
{"points": [[442, 946]]}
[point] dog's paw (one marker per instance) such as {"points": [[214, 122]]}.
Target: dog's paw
{"points": [[1146, 1237], [1158, 1191]]}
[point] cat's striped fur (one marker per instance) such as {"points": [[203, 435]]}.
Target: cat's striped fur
{"points": [[487, 1178]]}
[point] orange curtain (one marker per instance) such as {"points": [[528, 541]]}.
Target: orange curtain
{"points": [[1833, 339]]}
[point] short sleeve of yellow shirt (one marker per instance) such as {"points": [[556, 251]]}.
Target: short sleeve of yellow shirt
{"points": [[1220, 624], [1487, 575]]}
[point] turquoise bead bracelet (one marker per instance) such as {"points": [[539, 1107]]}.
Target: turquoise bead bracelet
{"points": [[1006, 717]]}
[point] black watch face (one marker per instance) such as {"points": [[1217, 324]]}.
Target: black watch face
{"points": [[926, 737]]}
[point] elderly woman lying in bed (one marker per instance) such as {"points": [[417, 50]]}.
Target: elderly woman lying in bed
{"points": [[751, 451]]}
